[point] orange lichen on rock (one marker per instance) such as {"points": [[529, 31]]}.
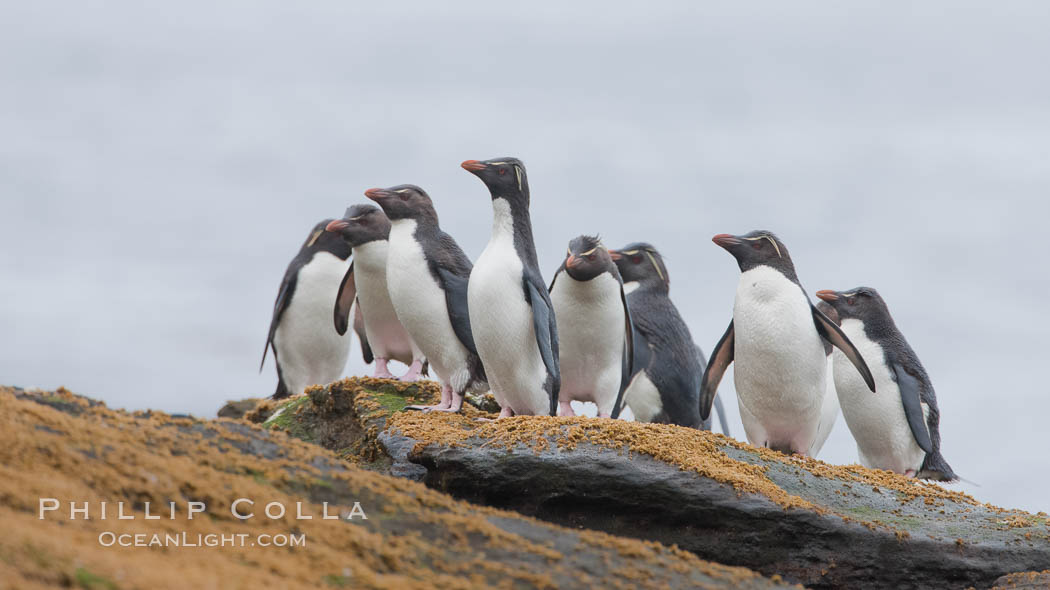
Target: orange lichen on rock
{"points": [[57, 445], [689, 449], [1023, 580]]}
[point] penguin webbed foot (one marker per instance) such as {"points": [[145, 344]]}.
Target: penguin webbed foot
{"points": [[450, 402], [413, 373]]}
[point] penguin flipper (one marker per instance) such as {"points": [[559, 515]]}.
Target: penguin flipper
{"points": [[719, 409], [721, 357], [910, 388], [455, 288], [284, 297], [546, 331], [831, 332], [630, 355], [362, 337], [344, 300]]}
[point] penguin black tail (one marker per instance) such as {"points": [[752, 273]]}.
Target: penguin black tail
{"points": [[935, 467], [722, 415]]}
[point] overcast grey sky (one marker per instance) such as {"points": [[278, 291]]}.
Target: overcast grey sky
{"points": [[160, 163]]}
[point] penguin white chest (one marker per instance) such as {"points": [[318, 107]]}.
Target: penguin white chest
{"points": [[781, 368], [643, 398], [309, 349], [501, 321], [876, 420], [384, 331], [421, 305], [591, 338]]}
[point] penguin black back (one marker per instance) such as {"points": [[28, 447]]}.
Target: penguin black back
{"points": [[675, 366]]}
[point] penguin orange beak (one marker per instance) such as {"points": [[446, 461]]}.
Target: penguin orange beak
{"points": [[615, 254], [377, 194], [726, 240], [337, 225], [572, 261], [828, 295], [473, 165]]}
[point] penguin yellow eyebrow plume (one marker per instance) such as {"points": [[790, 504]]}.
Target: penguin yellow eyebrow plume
{"points": [[313, 237], [655, 265], [404, 190], [771, 241], [517, 172], [589, 251]]}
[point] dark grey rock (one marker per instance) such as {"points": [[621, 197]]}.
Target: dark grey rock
{"points": [[884, 543]]}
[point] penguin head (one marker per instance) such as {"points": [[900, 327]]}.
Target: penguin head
{"points": [[505, 177], [641, 262], [757, 248], [404, 201], [587, 258], [320, 240], [361, 224], [863, 303]]}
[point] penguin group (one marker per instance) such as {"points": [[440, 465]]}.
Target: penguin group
{"points": [[604, 330]]}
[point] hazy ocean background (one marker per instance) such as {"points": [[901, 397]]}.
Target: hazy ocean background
{"points": [[160, 163]]}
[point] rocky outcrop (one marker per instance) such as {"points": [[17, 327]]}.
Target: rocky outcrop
{"points": [[55, 445], [816, 524], [238, 408]]}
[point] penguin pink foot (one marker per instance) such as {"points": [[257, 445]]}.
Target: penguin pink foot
{"points": [[565, 409], [455, 404], [506, 412], [382, 372], [413, 372], [446, 402]]}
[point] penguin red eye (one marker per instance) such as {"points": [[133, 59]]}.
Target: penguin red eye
{"points": [[404, 196], [502, 171], [591, 257], [756, 245], [636, 259], [851, 301]]}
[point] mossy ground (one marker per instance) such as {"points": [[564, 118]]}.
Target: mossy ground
{"points": [[347, 415]]}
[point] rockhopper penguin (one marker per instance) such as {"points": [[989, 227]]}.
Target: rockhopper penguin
{"points": [[306, 347], [426, 275], [898, 429], [510, 309], [366, 229], [777, 339], [665, 385], [594, 329]]}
